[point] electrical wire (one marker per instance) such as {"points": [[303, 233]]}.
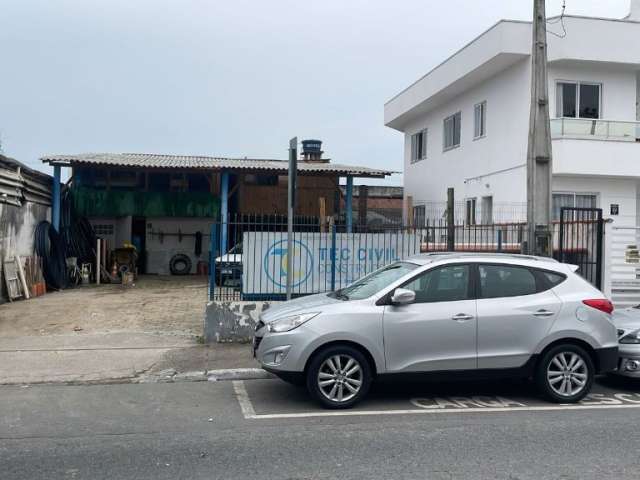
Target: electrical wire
{"points": [[560, 20]]}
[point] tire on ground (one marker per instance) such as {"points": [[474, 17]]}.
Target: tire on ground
{"points": [[543, 382], [315, 364]]}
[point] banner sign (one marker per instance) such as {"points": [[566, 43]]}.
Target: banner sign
{"points": [[321, 261]]}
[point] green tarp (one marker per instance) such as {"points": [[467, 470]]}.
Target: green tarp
{"points": [[114, 203]]}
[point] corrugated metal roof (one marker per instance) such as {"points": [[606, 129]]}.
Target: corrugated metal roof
{"points": [[20, 183], [143, 160]]}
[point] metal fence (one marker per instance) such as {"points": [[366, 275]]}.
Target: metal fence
{"points": [[326, 257]]}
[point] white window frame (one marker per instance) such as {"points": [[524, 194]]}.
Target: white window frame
{"points": [[480, 129], [577, 83], [415, 154], [486, 214], [453, 145], [574, 194]]}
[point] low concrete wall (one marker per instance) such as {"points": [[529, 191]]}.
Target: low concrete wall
{"points": [[235, 322]]}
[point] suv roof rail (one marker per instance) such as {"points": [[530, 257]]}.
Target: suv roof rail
{"points": [[487, 254]]}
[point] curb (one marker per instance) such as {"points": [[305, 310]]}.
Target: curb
{"points": [[164, 376], [238, 374]]}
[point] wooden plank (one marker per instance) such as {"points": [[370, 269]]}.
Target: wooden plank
{"points": [[322, 204], [21, 277]]}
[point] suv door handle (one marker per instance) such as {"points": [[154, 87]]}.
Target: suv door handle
{"points": [[461, 317], [544, 313]]}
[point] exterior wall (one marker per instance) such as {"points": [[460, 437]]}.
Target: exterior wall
{"points": [[17, 227], [470, 168], [604, 158], [272, 199], [104, 221], [496, 164], [618, 87], [620, 229], [638, 96], [160, 248]]}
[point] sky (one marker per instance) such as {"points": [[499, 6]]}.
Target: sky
{"points": [[228, 78]]}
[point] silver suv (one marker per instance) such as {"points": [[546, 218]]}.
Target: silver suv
{"points": [[477, 314]]}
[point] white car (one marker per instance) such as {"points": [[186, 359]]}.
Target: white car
{"points": [[229, 267], [627, 322]]}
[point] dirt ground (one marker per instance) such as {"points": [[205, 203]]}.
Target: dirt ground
{"points": [[167, 305]]}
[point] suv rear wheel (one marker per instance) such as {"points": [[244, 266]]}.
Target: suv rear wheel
{"points": [[565, 374], [339, 376]]}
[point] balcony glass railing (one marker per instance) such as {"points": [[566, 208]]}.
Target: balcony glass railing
{"points": [[595, 129]]}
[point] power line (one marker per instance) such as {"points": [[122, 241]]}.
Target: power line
{"points": [[559, 20]]}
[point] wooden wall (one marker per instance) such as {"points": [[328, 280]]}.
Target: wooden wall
{"points": [[272, 199]]}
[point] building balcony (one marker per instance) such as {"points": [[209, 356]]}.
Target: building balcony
{"points": [[595, 147], [595, 129]]}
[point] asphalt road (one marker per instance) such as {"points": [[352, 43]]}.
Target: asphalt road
{"points": [[265, 429]]}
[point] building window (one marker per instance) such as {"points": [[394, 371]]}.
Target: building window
{"points": [[419, 146], [470, 211], [452, 131], [578, 99], [570, 199], [103, 229], [487, 210], [419, 214], [480, 120]]}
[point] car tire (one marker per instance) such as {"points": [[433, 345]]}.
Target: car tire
{"points": [[338, 377], [180, 264], [565, 374]]}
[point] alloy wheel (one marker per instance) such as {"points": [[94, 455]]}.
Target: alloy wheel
{"points": [[567, 374], [340, 378]]}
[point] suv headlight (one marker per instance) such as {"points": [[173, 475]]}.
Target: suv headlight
{"points": [[289, 323], [632, 338]]}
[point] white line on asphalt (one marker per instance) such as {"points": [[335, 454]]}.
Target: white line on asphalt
{"points": [[249, 412], [244, 400]]}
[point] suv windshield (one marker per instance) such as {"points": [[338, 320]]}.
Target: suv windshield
{"points": [[374, 282]]}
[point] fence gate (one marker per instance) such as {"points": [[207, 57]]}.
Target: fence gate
{"points": [[580, 241]]}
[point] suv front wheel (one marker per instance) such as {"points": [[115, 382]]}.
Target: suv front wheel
{"points": [[339, 376], [565, 374]]}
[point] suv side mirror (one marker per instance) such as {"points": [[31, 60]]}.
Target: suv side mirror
{"points": [[402, 296]]}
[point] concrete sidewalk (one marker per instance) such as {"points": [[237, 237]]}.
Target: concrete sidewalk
{"points": [[116, 357]]}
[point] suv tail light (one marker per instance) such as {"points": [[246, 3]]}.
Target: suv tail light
{"points": [[601, 304]]}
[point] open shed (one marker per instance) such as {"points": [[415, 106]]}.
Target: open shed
{"points": [[163, 203]]}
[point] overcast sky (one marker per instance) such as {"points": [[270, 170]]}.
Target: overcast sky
{"points": [[228, 78]]}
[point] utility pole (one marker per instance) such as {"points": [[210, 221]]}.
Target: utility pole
{"points": [[539, 160], [291, 199]]}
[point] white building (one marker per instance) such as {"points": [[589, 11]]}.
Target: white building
{"points": [[465, 125]]}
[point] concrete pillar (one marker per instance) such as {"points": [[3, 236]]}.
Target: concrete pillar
{"points": [[349, 204], [224, 211], [55, 198]]}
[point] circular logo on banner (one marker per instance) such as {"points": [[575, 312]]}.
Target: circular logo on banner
{"points": [[275, 263]]}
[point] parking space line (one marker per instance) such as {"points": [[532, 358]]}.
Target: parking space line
{"points": [[249, 412], [243, 399], [354, 413]]}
